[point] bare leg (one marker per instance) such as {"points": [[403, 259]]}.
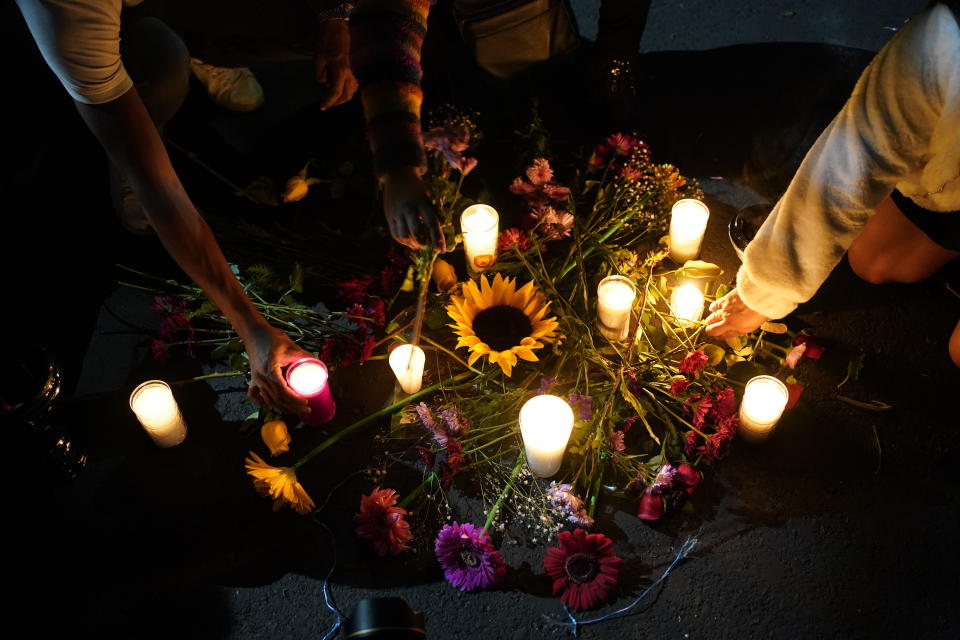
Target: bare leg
{"points": [[892, 249]]}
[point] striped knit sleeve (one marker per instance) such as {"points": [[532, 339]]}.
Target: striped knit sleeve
{"points": [[386, 38]]}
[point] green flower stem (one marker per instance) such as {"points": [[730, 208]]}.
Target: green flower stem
{"points": [[373, 417], [503, 494], [410, 497], [589, 250], [211, 376], [594, 493], [452, 354]]}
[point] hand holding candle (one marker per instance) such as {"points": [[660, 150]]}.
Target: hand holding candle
{"points": [[407, 363], [308, 377], [157, 410], [545, 423], [688, 223], [615, 296], [764, 399], [480, 225]]}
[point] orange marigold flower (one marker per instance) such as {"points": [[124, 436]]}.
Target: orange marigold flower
{"points": [[280, 483]]}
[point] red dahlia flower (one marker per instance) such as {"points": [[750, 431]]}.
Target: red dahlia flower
{"points": [[584, 568], [381, 522]]}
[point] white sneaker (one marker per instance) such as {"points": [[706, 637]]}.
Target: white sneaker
{"points": [[233, 88]]}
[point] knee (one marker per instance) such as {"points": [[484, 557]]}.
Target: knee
{"points": [[871, 268]]}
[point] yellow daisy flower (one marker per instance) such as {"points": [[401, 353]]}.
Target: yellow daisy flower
{"points": [[500, 321], [280, 483]]}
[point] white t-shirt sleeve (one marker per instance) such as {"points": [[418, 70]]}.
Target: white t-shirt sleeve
{"points": [[883, 134], [80, 41]]}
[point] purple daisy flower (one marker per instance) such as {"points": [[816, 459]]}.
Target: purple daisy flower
{"points": [[663, 483], [468, 558]]}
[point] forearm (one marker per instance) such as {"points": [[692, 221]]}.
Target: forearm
{"points": [[130, 139], [880, 137], [386, 41]]}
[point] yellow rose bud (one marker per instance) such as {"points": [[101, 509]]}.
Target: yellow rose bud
{"points": [[296, 189], [408, 283], [276, 436], [443, 275]]}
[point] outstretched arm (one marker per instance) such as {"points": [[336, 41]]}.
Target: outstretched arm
{"points": [[128, 135], [386, 39]]}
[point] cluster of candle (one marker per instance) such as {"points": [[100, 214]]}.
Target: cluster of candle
{"points": [[159, 414]]}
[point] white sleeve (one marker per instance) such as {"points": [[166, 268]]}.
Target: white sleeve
{"points": [[882, 135], [80, 41]]}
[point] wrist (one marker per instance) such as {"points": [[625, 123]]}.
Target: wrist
{"points": [[324, 12]]}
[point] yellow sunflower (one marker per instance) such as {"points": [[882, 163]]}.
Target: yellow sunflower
{"points": [[500, 321], [280, 483]]}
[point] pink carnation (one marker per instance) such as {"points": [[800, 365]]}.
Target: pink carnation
{"points": [[513, 237], [679, 386], [540, 172]]}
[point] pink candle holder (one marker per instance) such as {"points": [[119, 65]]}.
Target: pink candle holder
{"points": [[308, 377]]}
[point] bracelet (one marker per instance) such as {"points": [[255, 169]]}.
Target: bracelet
{"points": [[340, 12]]}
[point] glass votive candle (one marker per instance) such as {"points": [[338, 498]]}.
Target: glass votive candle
{"points": [[407, 363], [688, 223], [546, 423], [764, 399], [615, 296], [157, 410], [480, 225], [686, 305]]}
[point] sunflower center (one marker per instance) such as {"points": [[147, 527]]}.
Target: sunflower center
{"points": [[581, 567], [469, 558], [502, 326]]}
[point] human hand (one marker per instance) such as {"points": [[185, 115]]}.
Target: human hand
{"points": [[410, 214], [331, 62], [731, 317], [269, 350]]}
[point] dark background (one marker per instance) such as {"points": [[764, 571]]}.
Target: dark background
{"points": [[843, 525]]}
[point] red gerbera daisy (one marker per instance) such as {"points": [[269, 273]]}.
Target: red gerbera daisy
{"points": [[382, 523], [584, 568]]}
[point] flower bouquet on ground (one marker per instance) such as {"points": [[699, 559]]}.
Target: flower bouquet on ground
{"points": [[644, 409]]}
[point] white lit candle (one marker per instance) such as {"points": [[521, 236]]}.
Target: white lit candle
{"points": [[686, 305], [615, 296], [545, 423], [764, 399], [688, 222], [407, 363], [158, 412], [480, 225]]}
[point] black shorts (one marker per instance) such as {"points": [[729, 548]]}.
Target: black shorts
{"points": [[943, 227]]}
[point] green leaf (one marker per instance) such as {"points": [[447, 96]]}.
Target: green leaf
{"points": [[658, 337], [715, 354], [722, 290], [261, 191], [296, 278], [251, 422], [700, 269], [239, 361], [221, 352], [743, 371], [872, 405], [853, 370], [436, 318]]}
